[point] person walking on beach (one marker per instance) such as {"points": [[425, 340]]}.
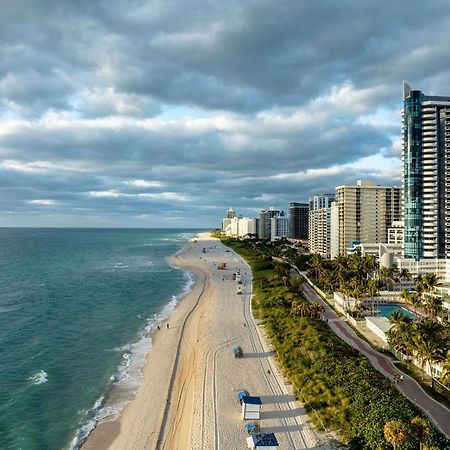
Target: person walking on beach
{"points": [[167, 325]]}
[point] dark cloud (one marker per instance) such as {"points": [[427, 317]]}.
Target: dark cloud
{"points": [[112, 109]]}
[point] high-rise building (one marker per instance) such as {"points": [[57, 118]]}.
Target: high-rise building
{"points": [[241, 227], [298, 220], [364, 213], [279, 226], [225, 223], [320, 224], [426, 174], [264, 224], [231, 214], [334, 230], [395, 233]]}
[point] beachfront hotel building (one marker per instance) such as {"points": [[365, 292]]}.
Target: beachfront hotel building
{"points": [[298, 214], [362, 213], [231, 214], [225, 223], [426, 174], [240, 227], [265, 224], [426, 185], [279, 227], [320, 224]]}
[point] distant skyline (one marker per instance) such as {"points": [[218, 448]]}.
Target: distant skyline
{"points": [[165, 114]]}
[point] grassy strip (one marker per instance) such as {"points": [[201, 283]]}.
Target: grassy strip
{"points": [[333, 379]]}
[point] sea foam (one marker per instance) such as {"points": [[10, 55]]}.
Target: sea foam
{"points": [[40, 377], [128, 375]]}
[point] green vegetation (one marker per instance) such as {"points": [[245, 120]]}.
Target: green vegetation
{"points": [[355, 276], [338, 386], [427, 340]]}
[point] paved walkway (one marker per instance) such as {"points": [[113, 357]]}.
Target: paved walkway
{"points": [[409, 387]]}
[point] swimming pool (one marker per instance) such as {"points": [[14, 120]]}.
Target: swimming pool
{"points": [[387, 310]]}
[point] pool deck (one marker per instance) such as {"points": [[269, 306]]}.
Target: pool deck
{"points": [[438, 413]]}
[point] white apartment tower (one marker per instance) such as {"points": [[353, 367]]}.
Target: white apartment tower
{"points": [[320, 224], [279, 227]]}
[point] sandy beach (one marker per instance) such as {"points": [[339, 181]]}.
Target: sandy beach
{"points": [[187, 399]]}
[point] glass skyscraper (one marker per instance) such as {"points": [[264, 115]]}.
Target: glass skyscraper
{"points": [[426, 174], [298, 220]]}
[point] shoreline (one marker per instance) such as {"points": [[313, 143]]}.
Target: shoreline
{"points": [[187, 399], [103, 416], [103, 435]]}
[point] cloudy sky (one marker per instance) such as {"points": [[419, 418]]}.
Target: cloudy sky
{"points": [[167, 112]]}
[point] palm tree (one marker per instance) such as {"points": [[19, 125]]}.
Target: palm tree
{"points": [[397, 317], [415, 301], [395, 432], [421, 428], [389, 275], [373, 287], [405, 274], [445, 377], [340, 268], [356, 264], [347, 292], [316, 265], [433, 305], [357, 292], [400, 337], [419, 286], [405, 295], [431, 281], [371, 264], [428, 350]]}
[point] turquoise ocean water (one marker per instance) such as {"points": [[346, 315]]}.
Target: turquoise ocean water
{"points": [[77, 310]]}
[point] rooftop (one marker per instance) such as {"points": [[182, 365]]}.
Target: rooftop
{"points": [[264, 440], [251, 400]]}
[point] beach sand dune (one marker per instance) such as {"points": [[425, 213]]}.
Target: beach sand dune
{"points": [[188, 396]]}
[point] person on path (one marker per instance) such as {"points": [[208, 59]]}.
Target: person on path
{"points": [[167, 325]]}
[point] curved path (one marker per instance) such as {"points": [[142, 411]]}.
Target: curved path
{"points": [[438, 413]]}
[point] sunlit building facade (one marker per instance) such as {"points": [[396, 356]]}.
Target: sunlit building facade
{"points": [[426, 175]]}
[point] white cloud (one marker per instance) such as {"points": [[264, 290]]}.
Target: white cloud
{"points": [[146, 196], [105, 194], [144, 183], [44, 202]]}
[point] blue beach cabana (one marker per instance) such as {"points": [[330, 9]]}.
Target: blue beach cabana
{"points": [[265, 441], [251, 407]]}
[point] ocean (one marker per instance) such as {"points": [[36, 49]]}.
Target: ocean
{"points": [[77, 310]]}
